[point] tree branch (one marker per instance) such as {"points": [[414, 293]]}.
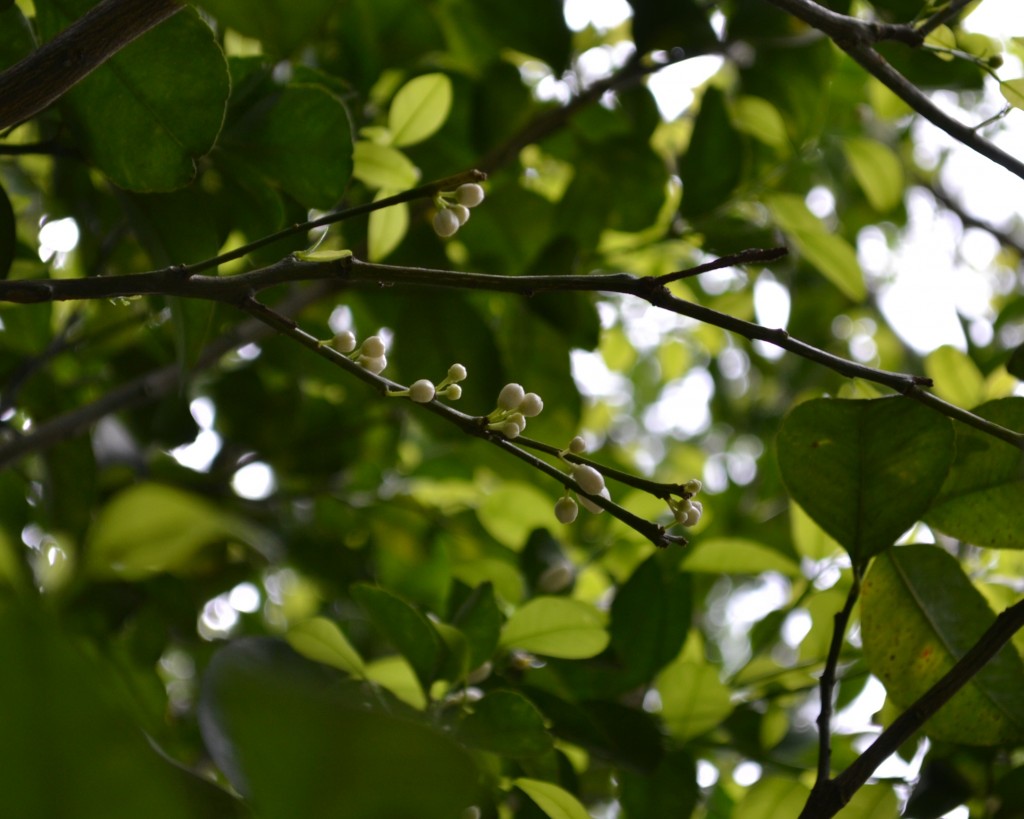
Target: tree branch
{"points": [[50, 71], [829, 800]]}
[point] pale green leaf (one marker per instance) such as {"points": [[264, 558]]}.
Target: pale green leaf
{"points": [[513, 510], [693, 699], [877, 170], [773, 798], [556, 627], [381, 166], [832, 255], [387, 228], [419, 109], [1013, 92], [733, 555], [941, 37], [322, 255], [397, 676], [957, 378], [871, 802], [760, 119], [320, 639], [556, 802], [809, 538]]}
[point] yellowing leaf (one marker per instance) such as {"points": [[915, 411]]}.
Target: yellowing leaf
{"points": [[556, 802], [556, 627], [320, 639], [1013, 91], [877, 170], [419, 109]]}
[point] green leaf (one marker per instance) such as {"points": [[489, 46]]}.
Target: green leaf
{"points": [[871, 802], [146, 115], [758, 118], [16, 40], [7, 234], [506, 723], [693, 699], [320, 639], [771, 798], [419, 109], [1015, 364], [682, 24], [865, 471], [556, 627], [808, 537], [61, 711], [832, 255], [671, 790], [919, 615], [980, 501], [556, 802], [408, 630], [281, 25], [736, 556], [381, 166], [298, 740], [877, 170], [298, 136], [513, 510], [387, 228], [1013, 92], [711, 167], [151, 528], [957, 378], [322, 255], [480, 619]]}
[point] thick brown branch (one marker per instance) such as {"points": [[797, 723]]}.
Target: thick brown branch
{"points": [[49, 72]]}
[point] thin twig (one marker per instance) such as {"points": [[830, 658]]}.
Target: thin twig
{"points": [[750, 256]]}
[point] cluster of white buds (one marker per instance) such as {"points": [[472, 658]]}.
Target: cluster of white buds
{"points": [[371, 354], [453, 207], [424, 391], [687, 511], [515, 405], [589, 480]]}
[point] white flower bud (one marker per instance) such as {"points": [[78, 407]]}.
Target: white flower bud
{"points": [[692, 518], [589, 479], [510, 429], [478, 675], [461, 213], [445, 223], [469, 195], [577, 445], [518, 419], [373, 347], [592, 507], [682, 510], [698, 506], [692, 486], [456, 372], [511, 396], [531, 405], [566, 510], [344, 342], [422, 391], [555, 578], [453, 392], [375, 364]]}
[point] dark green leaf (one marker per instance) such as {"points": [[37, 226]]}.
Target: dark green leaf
{"points": [[865, 471], [408, 630], [1015, 364], [983, 495], [712, 166], [506, 723], [480, 619], [280, 25], [682, 24], [153, 109], [919, 615], [7, 239], [16, 39], [669, 790]]}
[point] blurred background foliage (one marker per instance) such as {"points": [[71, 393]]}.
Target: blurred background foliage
{"points": [[254, 586]]}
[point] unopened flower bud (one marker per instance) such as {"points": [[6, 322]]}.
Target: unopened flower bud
{"points": [[456, 372], [531, 405], [375, 364], [469, 195], [692, 486], [453, 392], [592, 507], [511, 396], [445, 223], [589, 479], [344, 342], [518, 419], [577, 445], [461, 213], [510, 429], [373, 347], [566, 510], [422, 391]]}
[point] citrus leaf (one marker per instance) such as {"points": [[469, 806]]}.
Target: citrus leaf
{"points": [[387, 228], [877, 170], [865, 471], [980, 501], [556, 627], [760, 119], [693, 699], [7, 237], [556, 802], [381, 166], [419, 109], [506, 723], [320, 639], [711, 167], [919, 615], [957, 378], [1013, 92], [773, 797], [281, 25], [736, 556]]}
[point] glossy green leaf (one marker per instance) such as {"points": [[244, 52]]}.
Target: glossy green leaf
{"points": [[556, 802], [957, 378], [387, 228], [147, 115], [480, 619], [513, 510], [556, 627], [296, 740], [871, 802], [980, 501], [809, 539], [408, 630], [865, 471], [919, 615], [758, 118], [773, 797], [693, 699], [878, 171], [7, 239], [507, 723], [381, 166], [151, 528], [419, 109], [320, 639], [63, 717], [711, 167], [280, 25], [1013, 92], [398, 677], [736, 556], [832, 255]]}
